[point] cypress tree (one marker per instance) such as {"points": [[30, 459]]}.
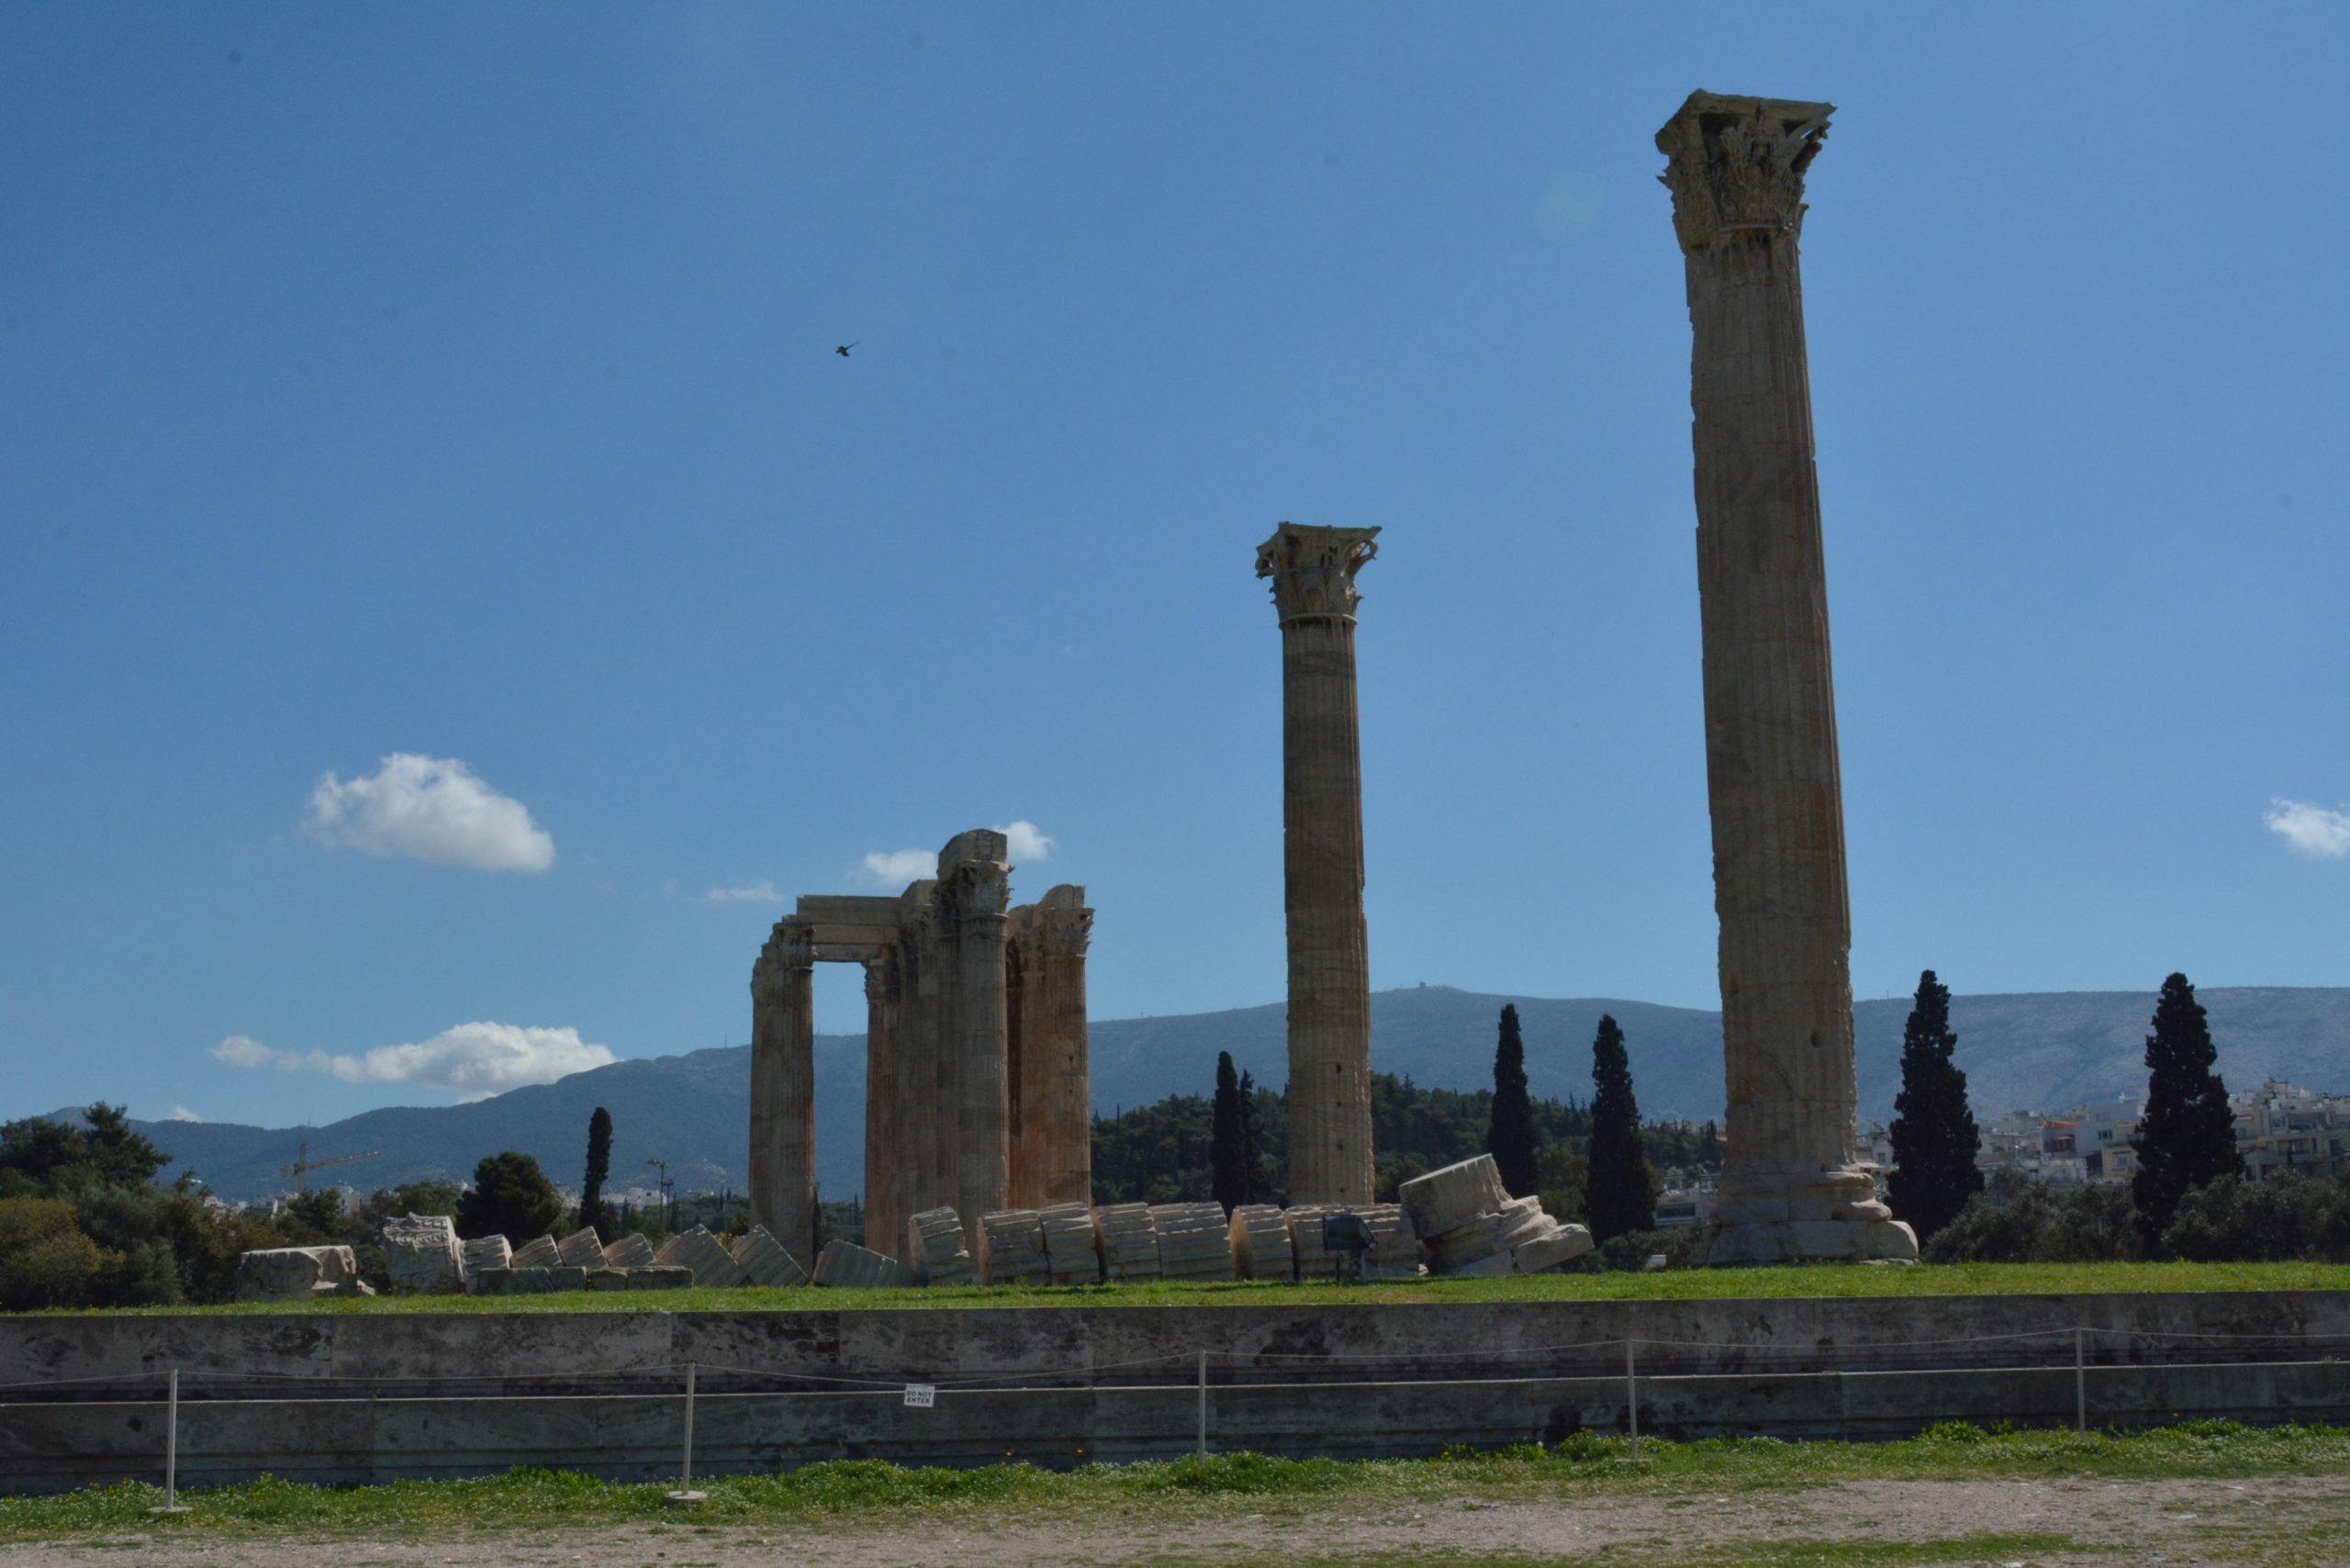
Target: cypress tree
{"points": [[600, 1166], [1934, 1136], [1511, 1138], [1228, 1138], [1257, 1183], [2188, 1136], [1618, 1197]]}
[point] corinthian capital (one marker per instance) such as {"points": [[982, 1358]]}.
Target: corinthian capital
{"points": [[788, 947], [972, 876], [1735, 165], [1313, 570]]}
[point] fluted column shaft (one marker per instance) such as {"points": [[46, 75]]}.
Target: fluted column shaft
{"points": [[884, 1218], [1736, 170], [1329, 960], [973, 893], [783, 1091], [1065, 1102]]}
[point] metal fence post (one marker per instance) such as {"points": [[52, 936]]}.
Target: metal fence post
{"points": [[1203, 1405], [171, 1504], [1632, 1398], [685, 1492], [2080, 1382]]}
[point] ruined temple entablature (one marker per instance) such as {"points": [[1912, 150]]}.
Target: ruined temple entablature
{"points": [[977, 1085]]}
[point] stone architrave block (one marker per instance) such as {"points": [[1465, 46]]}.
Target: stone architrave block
{"points": [[939, 1252], [485, 1252], [765, 1262], [698, 1250], [660, 1277], [582, 1248], [1129, 1241], [567, 1277], [846, 1265], [1072, 1248], [1194, 1242], [1396, 1254], [1261, 1244], [1521, 1219], [631, 1251], [608, 1280], [421, 1254], [1453, 1197], [1011, 1248], [1558, 1244], [299, 1273], [540, 1254]]}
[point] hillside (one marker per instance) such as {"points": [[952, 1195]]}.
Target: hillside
{"points": [[2038, 1051]]}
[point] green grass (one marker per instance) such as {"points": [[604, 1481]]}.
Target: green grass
{"points": [[1690, 1284], [1583, 1468]]}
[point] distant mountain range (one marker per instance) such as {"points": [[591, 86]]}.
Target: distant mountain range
{"points": [[2046, 1051]]}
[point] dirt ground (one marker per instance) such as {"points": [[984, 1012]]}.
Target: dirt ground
{"points": [[2101, 1523]]}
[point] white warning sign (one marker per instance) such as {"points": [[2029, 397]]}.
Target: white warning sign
{"points": [[921, 1396]]}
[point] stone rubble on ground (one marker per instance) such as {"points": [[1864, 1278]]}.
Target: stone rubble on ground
{"points": [[299, 1273], [527, 1282], [1129, 1241], [1194, 1242], [763, 1261], [847, 1265], [421, 1254], [1011, 1248], [1072, 1249], [631, 1251], [1261, 1244], [1397, 1245], [1471, 1225], [540, 1254], [936, 1248], [583, 1249], [486, 1252], [698, 1250]]}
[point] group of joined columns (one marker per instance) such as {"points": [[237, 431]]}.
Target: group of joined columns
{"points": [[1789, 1190], [976, 1076]]}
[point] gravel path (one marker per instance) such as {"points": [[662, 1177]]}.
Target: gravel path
{"points": [[2125, 1524]]}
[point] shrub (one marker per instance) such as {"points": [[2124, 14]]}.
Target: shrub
{"points": [[45, 1260], [2285, 1218], [2017, 1220]]}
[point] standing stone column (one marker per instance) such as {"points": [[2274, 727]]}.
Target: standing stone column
{"points": [[1788, 1191], [783, 1090], [974, 889], [1061, 1092], [885, 1228], [919, 1120], [1313, 571]]}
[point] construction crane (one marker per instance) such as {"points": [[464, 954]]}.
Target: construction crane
{"points": [[303, 1165]]}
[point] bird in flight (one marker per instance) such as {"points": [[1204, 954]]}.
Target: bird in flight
{"points": [[843, 349]]}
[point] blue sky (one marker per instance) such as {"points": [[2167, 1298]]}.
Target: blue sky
{"points": [[457, 384]]}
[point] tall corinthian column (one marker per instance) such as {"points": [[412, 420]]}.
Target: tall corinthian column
{"points": [[1059, 1093], [885, 1229], [1788, 1189], [783, 1090], [1313, 571], [974, 888]]}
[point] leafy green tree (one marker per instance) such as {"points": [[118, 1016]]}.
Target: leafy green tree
{"points": [[46, 1260], [1228, 1138], [511, 1197], [1510, 1136], [1620, 1194], [2187, 1135], [41, 1156], [2017, 1220], [1934, 1136], [2287, 1218], [599, 1167]]}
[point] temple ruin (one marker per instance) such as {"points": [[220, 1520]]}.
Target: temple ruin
{"points": [[1789, 1189], [976, 1082], [1313, 570]]}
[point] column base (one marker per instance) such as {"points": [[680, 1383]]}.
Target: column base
{"points": [[1795, 1216]]}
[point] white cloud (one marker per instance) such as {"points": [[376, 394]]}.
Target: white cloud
{"points": [[182, 1114], [430, 809], [243, 1050], [472, 1061], [2311, 830], [896, 868], [1027, 846], [757, 892]]}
